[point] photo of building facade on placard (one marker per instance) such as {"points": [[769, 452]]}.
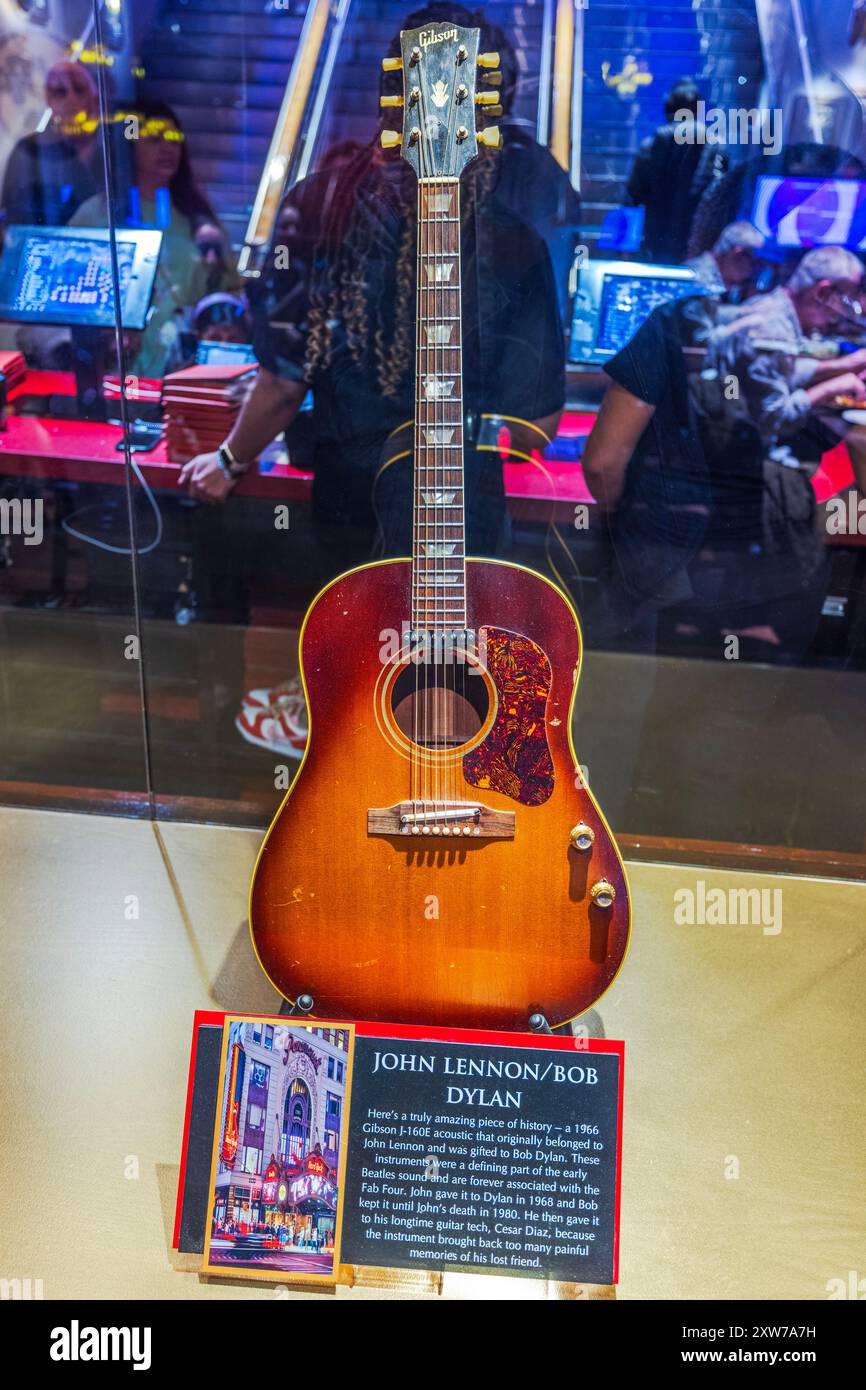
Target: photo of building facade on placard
{"points": [[276, 1167]]}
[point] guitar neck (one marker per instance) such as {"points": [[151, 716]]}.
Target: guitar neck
{"points": [[438, 536]]}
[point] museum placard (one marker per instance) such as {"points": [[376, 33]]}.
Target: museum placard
{"points": [[484, 1152]]}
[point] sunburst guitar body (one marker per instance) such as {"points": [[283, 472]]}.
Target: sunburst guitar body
{"points": [[439, 859], [376, 921]]}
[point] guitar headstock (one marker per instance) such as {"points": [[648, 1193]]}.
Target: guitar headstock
{"points": [[440, 63]]}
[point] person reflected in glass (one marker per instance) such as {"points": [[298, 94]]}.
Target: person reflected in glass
{"points": [[155, 187], [213, 247], [724, 456], [335, 312], [672, 171], [50, 173], [729, 267]]}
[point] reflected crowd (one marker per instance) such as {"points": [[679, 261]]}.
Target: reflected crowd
{"points": [[685, 462]]}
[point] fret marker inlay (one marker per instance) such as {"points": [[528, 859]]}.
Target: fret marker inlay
{"points": [[439, 434], [435, 389], [439, 548], [438, 334], [438, 499], [439, 271]]}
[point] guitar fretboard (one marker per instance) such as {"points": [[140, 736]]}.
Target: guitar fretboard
{"points": [[438, 546]]}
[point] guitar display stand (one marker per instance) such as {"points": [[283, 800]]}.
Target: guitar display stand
{"points": [[539, 1024], [591, 1020], [302, 1007]]}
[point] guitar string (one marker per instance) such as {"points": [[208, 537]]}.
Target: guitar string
{"points": [[441, 589], [421, 472], [435, 558], [416, 580], [432, 557], [446, 456], [420, 476], [421, 398], [462, 542], [439, 399], [460, 527]]}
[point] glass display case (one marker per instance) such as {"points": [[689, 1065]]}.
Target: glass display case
{"points": [[198, 209], [433, 556]]}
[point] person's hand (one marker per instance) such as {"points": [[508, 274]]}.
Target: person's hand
{"points": [[205, 480], [853, 361], [846, 384]]}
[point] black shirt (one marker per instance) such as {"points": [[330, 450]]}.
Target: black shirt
{"points": [[663, 514], [668, 179], [513, 350], [46, 181]]}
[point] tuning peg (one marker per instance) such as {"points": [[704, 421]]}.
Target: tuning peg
{"points": [[492, 111], [486, 98], [390, 139], [493, 79], [391, 101], [488, 60], [491, 137], [392, 64]]}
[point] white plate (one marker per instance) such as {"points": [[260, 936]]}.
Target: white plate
{"points": [[854, 417]]}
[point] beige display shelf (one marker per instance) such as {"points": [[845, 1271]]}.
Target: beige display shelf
{"points": [[743, 1133]]}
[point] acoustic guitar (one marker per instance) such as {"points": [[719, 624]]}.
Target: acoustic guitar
{"points": [[440, 858]]}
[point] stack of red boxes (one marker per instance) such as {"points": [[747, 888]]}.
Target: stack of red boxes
{"points": [[200, 405]]}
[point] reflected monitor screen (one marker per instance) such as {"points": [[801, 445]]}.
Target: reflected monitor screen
{"points": [[63, 275], [216, 354], [614, 298], [811, 212]]}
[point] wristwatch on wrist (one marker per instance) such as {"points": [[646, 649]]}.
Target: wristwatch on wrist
{"points": [[230, 466]]}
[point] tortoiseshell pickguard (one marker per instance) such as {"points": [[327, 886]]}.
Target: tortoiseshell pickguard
{"points": [[514, 759]]}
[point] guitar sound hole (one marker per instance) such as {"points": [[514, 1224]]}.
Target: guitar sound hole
{"points": [[441, 705]]}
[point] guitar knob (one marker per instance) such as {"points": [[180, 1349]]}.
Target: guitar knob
{"points": [[390, 139], [582, 837], [602, 893]]}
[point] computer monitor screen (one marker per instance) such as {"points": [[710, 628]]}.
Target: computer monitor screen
{"points": [[614, 298], [216, 354], [621, 230], [811, 212], [64, 275]]}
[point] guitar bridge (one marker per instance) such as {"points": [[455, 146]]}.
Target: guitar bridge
{"points": [[456, 819]]}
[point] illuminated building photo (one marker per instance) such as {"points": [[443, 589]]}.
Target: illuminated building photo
{"points": [[278, 1148]]}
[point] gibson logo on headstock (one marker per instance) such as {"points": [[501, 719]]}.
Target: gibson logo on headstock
{"points": [[431, 36]]}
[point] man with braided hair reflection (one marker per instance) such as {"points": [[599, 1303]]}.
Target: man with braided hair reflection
{"points": [[335, 313]]}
